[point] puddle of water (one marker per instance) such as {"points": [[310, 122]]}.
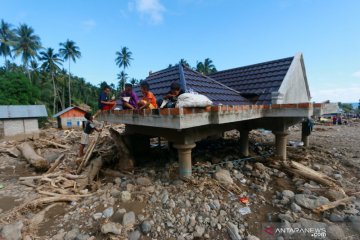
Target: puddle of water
{"points": [[7, 203]]}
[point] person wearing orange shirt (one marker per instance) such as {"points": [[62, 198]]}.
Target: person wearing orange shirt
{"points": [[148, 100]]}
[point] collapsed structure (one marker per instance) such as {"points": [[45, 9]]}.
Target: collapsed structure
{"points": [[271, 95]]}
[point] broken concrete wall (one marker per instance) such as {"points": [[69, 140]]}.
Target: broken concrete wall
{"points": [[19, 129]]}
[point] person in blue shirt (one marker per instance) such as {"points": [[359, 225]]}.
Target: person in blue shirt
{"points": [[104, 101]]}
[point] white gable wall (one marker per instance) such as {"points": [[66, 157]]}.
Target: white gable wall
{"points": [[294, 88], [20, 129]]}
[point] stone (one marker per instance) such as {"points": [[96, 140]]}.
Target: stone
{"points": [[295, 208], [355, 222], [108, 212], [288, 194], [115, 192], [223, 176], [286, 217], [310, 202], [229, 165], [128, 219], [307, 223], [199, 231], [171, 204], [260, 167], [125, 196], [117, 181], [97, 216], [82, 236], [338, 176], [12, 231], [252, 237], [316, 167], [143, 181], [233, 231], [145, 227], [135, 235], [248, 167], [165, 197], [336, 217], [111, 227], [335, 232], [59, 235], [72, 234]]}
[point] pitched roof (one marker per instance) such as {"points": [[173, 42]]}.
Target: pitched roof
{"points": [[66, 110], [191, 80], [22, 111], [257, 80]]}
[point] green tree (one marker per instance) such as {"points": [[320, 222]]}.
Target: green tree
{"points": [[6, 36], [15, 89], [51, 64], [206, 67], [123, 58], [346, 107], [70, 51], [26, 44], [122, 77], [184, 62], [134, 81]]}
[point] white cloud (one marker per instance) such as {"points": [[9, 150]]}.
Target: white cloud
{"points": [[356, 74], [151, 9], [347, 94], [89, 24]]}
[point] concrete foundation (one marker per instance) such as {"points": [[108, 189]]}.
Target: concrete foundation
{"points": [[184, 154], [280, 144], [244, 142]]}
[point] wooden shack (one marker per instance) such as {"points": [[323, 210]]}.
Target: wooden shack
{"points": [[71, 117]]}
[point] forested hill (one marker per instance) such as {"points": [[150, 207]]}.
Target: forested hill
{"points": [[17, 88]]}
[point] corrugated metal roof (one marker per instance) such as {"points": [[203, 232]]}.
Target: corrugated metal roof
{"points": [[259, 79], [66, 110], [22, 111], [191, 80]]}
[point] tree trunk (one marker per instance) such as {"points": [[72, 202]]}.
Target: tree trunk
{"points": [[53, 80], [69, 85], [32, 157], [91, 172], [126, 161]]}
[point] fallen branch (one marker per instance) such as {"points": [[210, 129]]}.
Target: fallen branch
{"points": [[64, 195], [55, 144], [332, 205], [32, 157], [39, 176], [56, 163]]}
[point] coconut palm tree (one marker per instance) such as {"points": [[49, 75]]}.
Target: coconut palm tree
{"points": [[6, 36], [206, 67], [123, 58], [51, 64], [26, 44], [69, 51], [134, 81], [184, 62], [122, 76]]}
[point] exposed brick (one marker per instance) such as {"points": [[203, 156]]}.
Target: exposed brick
{"points": [[246, 107], [289, 105], [304, 105], [223, 108], [164, 111], [317, 105], [174, 111], [230, 108], [273, 106], [208, 109], [214, 108], [198, 110], [187, 110], [267, 106], [236, 108]]}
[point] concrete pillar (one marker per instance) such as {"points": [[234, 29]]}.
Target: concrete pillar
{"points": [[184, 154], [305, 140], [280, 144], [244, 142]]}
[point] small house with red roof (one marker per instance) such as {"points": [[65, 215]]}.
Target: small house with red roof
{"points": [[71, 117]]}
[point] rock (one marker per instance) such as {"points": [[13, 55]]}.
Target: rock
{"points": [[223, 176], [252, 237], [82, 236], [171, 204], [286, 217], [117, 181], [199, 231], [108, 212], [260, 167], [233, 231], [72, 234], [128, 219], [12, 231], [229, 165], [125, 196], [145, 227], [295, 208], [307, 223], [288, 194], [135, 235], [59, 236], [316, 167], [115, 192], [336, 217], [111, 227], [248, 167], [165, 197], [338, 176], [310, 202], [335, 232], [143, 181], [355, 222], [97, 216]]}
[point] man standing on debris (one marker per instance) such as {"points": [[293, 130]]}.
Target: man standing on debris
{"points": [[307, 127], [88, 129]]}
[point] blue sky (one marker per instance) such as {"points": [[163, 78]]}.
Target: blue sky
{"points": [[232, 33]]}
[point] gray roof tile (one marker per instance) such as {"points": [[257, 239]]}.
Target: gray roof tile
{"points": [[22, 111]]}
